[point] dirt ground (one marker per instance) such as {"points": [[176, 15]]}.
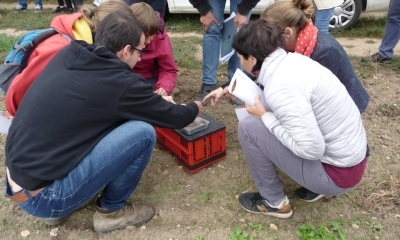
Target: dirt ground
{"points": [[204, 205]]}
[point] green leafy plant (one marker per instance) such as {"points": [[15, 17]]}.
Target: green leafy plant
{"points": [[257, 227], [238, 234], [374, 226], [199, 238], [333, 231]]}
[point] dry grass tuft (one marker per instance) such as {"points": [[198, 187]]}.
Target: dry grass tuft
{"points": [[384, 196]]}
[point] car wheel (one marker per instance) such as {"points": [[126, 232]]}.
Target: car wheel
{"points": [[345, 15]]}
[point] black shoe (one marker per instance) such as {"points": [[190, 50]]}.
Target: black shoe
{"points": [[376, 58], [307, 195], [253, 202], [59, 9], [205, 89], [236, 101], [70, 10]]}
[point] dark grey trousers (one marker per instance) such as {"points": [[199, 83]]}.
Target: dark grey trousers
{"points": [[264, 152]]}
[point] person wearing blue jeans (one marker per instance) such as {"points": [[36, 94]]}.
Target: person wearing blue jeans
{"points": [[390, 37], [157, 5], [212, 17], [324, 12], [23, 6], [95, 135]]}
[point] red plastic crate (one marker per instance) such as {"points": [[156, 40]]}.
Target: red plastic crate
{"points": [[197, 151]]}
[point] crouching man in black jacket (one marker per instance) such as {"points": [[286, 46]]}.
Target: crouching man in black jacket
{"points": [[85, 125]]}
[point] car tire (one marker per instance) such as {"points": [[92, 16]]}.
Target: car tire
{"points": [[345, 15]]}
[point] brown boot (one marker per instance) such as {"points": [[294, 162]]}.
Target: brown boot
{"points": [[106, 221]]}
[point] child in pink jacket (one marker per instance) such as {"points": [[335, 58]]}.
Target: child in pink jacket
{"points": [[157, 64]]}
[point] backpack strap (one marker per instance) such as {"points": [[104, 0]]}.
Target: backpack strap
{"points": [[28, 48]]}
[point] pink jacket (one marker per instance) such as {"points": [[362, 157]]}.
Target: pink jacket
{"points": [[158, 60]]}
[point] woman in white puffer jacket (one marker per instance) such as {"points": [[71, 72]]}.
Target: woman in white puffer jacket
{"points": [[310, 128]]}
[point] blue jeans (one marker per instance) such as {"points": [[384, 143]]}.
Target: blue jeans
{"points": [[24, 3], [322, 19], [392, 30], [212, 44], [157, 5], [115, 165]]}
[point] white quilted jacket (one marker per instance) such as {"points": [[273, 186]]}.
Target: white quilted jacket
{"points": [[310, 111]]}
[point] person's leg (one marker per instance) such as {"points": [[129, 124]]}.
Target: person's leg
{"points": [[61, 3], [322, 19], [264, 152], [212, 44], [234, 61], [392, 30], [77, 4], [115, 164], [211, 50], [23, 3]]}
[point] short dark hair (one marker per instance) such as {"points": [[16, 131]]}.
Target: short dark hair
{"points": [[258, 38], [117, 30]]}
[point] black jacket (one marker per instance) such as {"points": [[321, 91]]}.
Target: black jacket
{"points": [[83, 94]]}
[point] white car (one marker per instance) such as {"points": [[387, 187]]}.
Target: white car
{"points": [[344, 16]]}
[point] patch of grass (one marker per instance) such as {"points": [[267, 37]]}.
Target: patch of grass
{"points": [[326, 231], [184, 23], [6, 42], [185, 52], [365, 27], [371, 41], [27, 20]]}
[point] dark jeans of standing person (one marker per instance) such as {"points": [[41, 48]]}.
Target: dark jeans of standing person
{"points": [[77, 4], [157, 5]]}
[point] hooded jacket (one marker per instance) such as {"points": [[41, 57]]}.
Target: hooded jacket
{"points": [[81, 95], [72, 25], [310, 111], [158, 61]]}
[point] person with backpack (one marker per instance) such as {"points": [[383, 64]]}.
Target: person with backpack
{"points": [[85, 126], [157, 65], [79, 26]]}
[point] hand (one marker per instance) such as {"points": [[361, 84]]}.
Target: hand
{"points": [[201, 109], [169, 99], [258, 109], [214, 96], [161, 91], [239, 20], [207, 19]]}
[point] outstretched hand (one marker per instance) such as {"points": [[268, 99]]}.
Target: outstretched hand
{"points": [[258, 109], [214, 96], [207, 19]]}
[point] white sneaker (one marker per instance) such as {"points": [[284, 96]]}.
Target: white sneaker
{"points": [[38, 8], [19, 8], [97, 3]]}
